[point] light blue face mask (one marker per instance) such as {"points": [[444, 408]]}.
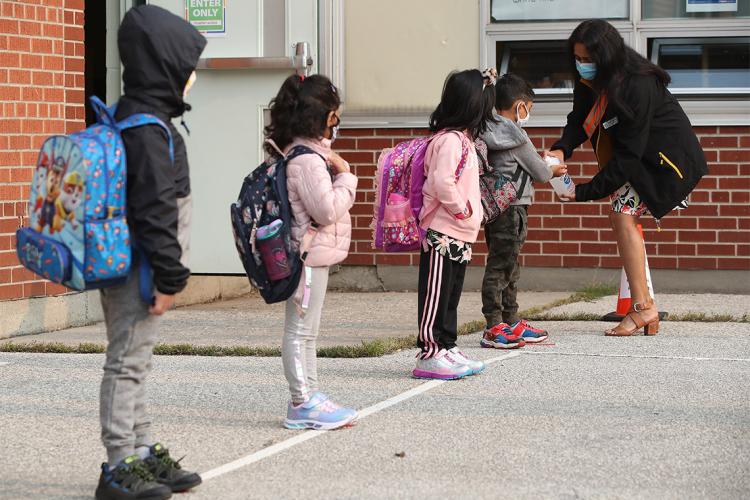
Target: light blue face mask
{"points": [[586, 70]]}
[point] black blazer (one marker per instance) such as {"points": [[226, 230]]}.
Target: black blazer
{"points": [[656, 150]]}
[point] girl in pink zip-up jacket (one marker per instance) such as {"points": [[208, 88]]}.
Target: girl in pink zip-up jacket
{"points": [[451, 215], [321, 192]]}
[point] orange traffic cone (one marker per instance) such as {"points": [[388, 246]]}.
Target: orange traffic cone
{"points": [[623, 296]]}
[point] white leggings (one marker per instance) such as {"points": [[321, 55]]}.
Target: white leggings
{"points": [[298, 348]]}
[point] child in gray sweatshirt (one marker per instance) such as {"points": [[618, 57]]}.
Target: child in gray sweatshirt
{"points": [[510, 154]]}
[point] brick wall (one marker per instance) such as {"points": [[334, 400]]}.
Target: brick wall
{"points": [[713, 233], [41, 93]]}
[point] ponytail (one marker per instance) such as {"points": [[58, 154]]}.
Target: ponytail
{"points": [[301, 109]]}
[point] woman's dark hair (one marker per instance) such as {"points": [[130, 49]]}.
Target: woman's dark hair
{"points": [[465, 103], [301, 109], [615, 61], [509, 89]]}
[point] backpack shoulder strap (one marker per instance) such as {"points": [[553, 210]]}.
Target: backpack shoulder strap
{"points": [[300, 150], [142, 119]]}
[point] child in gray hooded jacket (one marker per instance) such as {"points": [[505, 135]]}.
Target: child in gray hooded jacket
{"points": [[510, 154]]}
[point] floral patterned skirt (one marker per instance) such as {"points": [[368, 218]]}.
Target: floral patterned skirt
{"points": [[627, 201]]}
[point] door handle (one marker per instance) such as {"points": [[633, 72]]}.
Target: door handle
{"points": [[301, 61]]}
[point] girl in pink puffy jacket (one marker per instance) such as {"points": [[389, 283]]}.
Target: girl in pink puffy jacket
{"points": [[321, 192]]}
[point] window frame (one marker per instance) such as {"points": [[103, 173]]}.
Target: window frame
{"points": [[710, 107]]}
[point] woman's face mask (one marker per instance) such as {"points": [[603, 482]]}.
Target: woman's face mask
{"points": [[189, 84], [586, 70]]}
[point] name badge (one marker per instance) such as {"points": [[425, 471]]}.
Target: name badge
{"points": [[610, 123]]}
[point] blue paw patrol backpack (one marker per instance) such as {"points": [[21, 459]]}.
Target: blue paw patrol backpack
{"points": [[78, 232]]}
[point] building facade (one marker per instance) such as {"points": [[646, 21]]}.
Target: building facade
{"points": [[390, 58]]}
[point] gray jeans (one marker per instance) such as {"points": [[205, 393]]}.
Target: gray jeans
{"points": [[131, 334], [298, 348]]}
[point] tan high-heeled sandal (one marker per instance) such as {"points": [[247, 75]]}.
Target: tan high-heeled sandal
{"points": [[636, 318]]}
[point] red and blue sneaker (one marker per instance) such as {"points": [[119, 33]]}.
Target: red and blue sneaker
{"points": [[501, 336], [528, 333]]}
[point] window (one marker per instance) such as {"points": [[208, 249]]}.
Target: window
{"points": [[695, 9], [721, 64], [543, 63], [557, 10]]}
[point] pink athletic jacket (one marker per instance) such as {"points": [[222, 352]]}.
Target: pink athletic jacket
{"points": [[445, 199], [314, 197]]}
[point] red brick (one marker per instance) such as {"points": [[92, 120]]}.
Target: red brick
{"points": [[734, 236], [599, 248], [740, 197], [675, 249], [543, 260], [360, 259], [716, 197], [564, 248], [341, 144], [697, 236], [543, 235], [376, 144], [36, 289], [662, 262], [734, 263], [734, 130], [725, 169], [718, 142], [359, 157], [685, 263], [595, 222], [10, 291], [404, 133], [393, 259], [740, 155], [716, 250], [734, 210], [357, 132], [561, 222], [743, 250], [712, 223], [580, 261]]}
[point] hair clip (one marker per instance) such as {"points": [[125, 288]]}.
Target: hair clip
{"points": [[490, 76], [301, 78]]}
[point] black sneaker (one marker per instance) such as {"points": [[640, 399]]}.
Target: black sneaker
{"points": [[169, 472], [130, 479]]}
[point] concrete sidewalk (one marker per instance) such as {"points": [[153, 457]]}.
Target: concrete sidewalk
{"points": [[350, 318]]}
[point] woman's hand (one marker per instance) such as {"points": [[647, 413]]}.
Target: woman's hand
{"points": [[569, 198], [338, 164], [557, 153]]}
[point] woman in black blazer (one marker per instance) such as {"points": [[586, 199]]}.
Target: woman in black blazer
{"points": [[649, 157]]}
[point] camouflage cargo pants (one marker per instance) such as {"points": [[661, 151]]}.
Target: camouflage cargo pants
{"points": [[505, 236]]}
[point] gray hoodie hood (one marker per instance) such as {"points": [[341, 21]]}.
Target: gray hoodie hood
{"points": [[503, 135]]}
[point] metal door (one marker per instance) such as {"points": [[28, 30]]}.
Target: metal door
{"points": [[240, 72]]}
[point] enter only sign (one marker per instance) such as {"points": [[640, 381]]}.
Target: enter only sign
{"points": [[208, 16]]}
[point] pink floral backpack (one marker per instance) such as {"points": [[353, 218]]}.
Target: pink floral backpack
{"points": [[398, 194]]}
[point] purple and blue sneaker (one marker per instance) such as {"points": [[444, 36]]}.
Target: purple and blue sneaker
{"points": [[318, 413]]}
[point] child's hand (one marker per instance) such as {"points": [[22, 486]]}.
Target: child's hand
{"points": [[559, 170], [338, 164], [556, 153], [566, 199], [162, 303]]}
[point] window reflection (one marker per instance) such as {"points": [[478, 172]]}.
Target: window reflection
{"points": [[543, 63]]}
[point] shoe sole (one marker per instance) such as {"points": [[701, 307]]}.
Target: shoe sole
{"points": [[498, 345], [535, 340], [181, 488], [318, 426], [99, 495], [438, 376]]}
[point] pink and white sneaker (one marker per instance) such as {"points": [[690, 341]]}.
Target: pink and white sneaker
{"points": [[441, 366]]}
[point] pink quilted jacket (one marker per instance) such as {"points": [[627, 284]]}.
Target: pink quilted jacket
{"points": [[315, 197]]}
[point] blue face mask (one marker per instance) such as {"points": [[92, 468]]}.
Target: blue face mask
{"points": [[586, 70]]}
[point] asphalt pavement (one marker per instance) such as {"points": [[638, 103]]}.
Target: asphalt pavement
{"points": [[580, 416]]}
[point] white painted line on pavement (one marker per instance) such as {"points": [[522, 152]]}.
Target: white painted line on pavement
{"points": [[640, 356], [306, 436]]}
